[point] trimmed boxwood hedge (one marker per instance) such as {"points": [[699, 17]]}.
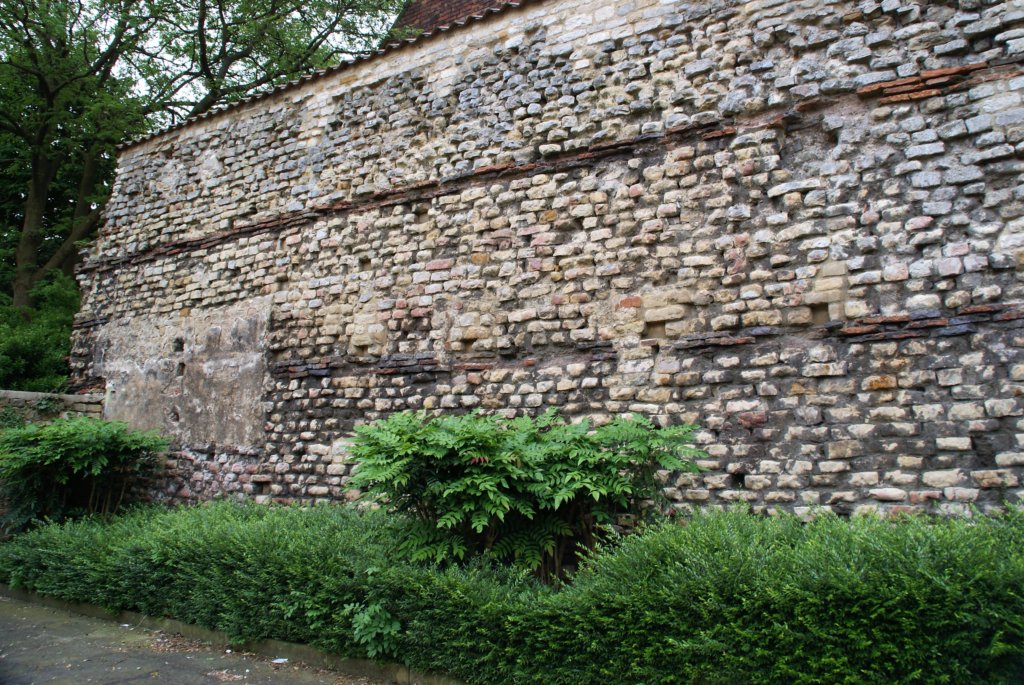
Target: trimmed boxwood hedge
{"points": [[725, 598]]}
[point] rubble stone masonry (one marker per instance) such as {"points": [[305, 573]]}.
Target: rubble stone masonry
{"points": [[41, 406], [799, 225]]}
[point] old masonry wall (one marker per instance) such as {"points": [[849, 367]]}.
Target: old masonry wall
{"points": [[797, 224]]}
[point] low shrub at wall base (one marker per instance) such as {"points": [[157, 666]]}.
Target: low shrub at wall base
{"points": [[725, 598], [71, 467], [533, 492]]}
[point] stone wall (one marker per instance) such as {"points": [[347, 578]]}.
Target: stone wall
{"points": [[40, 406], [799, 225]]}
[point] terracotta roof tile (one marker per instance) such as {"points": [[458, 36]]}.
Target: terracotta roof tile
{"points": [[428, 15]]}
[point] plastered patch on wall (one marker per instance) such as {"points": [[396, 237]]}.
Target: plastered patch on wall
{"points": [[198, 378]]}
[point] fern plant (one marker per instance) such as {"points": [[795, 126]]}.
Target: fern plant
{"points": [[526, 490]]}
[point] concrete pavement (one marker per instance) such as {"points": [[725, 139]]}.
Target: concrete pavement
{"points": [[41, 645]]}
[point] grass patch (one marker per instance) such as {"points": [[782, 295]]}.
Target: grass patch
{"points": [[727, 598]]}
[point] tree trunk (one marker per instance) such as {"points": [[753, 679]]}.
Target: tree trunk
{"points": [[29, 270], [85, 217], [26, 257]]}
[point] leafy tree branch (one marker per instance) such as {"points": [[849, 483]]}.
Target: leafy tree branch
{"points": [[79, 76]]}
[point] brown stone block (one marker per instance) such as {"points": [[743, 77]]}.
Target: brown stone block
{"points": [[895, 318], [879, 383], [924, 496], [493, 168], [1010, 315], [752, 419], [844, 449], [961, 494], [929, 323], [911, 88], [838, 497], [980, 309], [720, 133], [885, 85], [951, 71], [859, 330], [729, 342], [941, 81], [697, 495], [755, 482], [439, 264], [811, 103], [909, 97], [801, 389], [904, 509], [995, 478], [892, 335], [943, 479], [888, 494]]}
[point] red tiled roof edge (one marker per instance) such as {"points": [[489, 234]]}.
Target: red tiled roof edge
{"points": [[383, 50], [427, 15]]}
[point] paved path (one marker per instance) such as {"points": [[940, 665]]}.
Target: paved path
{"points": [[39, 645]]}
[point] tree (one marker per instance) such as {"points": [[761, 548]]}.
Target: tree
{"points": [[78, 76], [34, 343]]}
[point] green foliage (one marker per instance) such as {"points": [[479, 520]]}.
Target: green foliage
{"points": [[79, 76], [726, 598], [34, 343], [302, 575], [861, 601], [525, 490], [71, 466], [374, 628], [11, 418]]}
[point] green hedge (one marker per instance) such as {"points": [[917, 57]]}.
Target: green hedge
{"points": [[727, 598]]}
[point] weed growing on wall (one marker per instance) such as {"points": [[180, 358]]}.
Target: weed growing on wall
{"points": [[524, 490], [70, 467]]}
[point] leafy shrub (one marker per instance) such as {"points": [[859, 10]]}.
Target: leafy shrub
{"points": [[304, 575], [726, 598], [71, 466], [737, 599], [11, 418], [374, 627], [524, 490], [35, 342]]}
